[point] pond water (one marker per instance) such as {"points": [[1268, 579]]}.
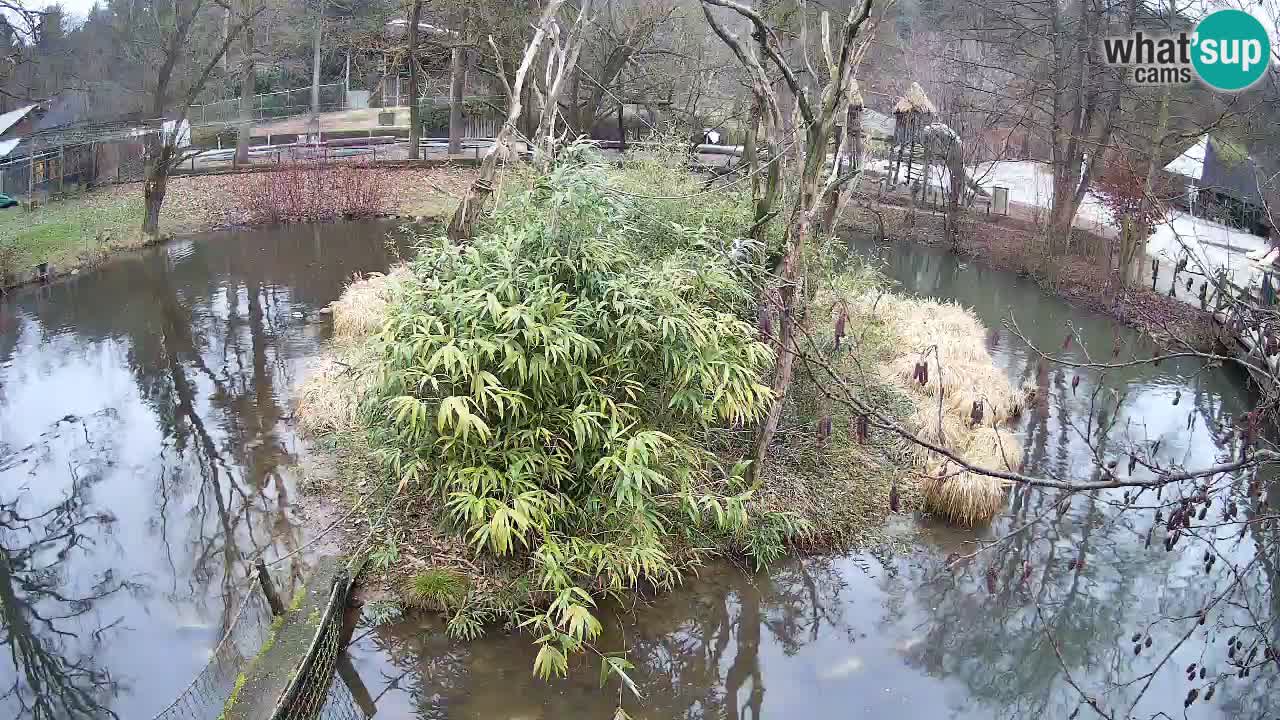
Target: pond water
{"points": [[146, 454], [146, 457], [865, 636]]}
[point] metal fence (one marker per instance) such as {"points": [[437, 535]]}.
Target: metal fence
{"points": [[65, 169], [206, 696], [323, 699], [271, 106]]}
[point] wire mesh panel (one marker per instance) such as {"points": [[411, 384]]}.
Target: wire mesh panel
{"points": [[341, 704], [207, 694], [316, 695]]}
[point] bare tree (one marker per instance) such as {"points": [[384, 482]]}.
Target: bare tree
{"points": [[163, 38], [623, 36], [462, 223], [819, 118], [248, 83], [415, 122], [561, 65], [457, 86]]}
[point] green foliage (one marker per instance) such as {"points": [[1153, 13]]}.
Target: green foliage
{"points": [[436, 589], [766, 540], [386, 554], [9, 253], [234, 697], [468, 623], [75, 231], [382, 612], [550, 382]]}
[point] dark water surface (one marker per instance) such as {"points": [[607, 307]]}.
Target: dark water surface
{"points": [[857, 636], [146, 455], [146, 452]]}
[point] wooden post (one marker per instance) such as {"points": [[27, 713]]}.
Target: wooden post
{"points": [[268, 590], [622, 130], [62, 167]]}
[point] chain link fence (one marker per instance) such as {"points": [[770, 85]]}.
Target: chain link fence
{"points": [[270, 106], [207, 694], [312, 695], [66, 169]]}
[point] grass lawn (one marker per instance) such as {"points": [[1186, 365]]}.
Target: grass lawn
{"points": [[83, 230], [72, 232]]}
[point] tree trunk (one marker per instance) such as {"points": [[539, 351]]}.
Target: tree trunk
{"points": [[462, 224], [1139, 240], [575, 117], [848, 142], [955, 169], [154, 186], [415, 124], [457, 81], [789, 291], [790, 288], [749, 154], [248, 78], [315, 72], [562, 66]]}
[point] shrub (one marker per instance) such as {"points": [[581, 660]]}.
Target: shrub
{"points": [[1122, 190], [436, 589], [551, 388], [314, 192]]}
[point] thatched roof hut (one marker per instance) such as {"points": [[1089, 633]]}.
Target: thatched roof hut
{"points": [[914, 101]]}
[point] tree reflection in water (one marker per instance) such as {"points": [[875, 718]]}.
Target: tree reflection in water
{"points": [[196, 345], [50, 629], [697, 652]]}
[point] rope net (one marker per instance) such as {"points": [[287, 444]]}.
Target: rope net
{"points": [[205, 697], [313, 697], [317, 696]]}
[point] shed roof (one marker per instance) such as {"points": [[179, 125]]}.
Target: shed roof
{"points": [[13, 117], [1220, 165]]}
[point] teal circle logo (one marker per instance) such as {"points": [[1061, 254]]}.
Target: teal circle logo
{"points": [[1231, 50]]}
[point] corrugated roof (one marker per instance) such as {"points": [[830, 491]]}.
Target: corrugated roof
{"points": [[12, 117], [7, 146]]}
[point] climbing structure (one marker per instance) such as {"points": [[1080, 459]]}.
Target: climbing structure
{"points": [[913, 113]]}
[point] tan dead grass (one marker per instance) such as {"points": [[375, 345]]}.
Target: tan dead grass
{"points": [[362, 308], [329, 399], [951, 341]]}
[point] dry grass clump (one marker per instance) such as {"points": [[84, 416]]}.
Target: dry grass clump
{"points": [[329, 399], [948, 338], [362, 308], [968, 498], [949, 341]]}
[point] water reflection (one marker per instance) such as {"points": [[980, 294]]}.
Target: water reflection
{"points": [[50, 670], [184, 358], [1025, 631]]}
